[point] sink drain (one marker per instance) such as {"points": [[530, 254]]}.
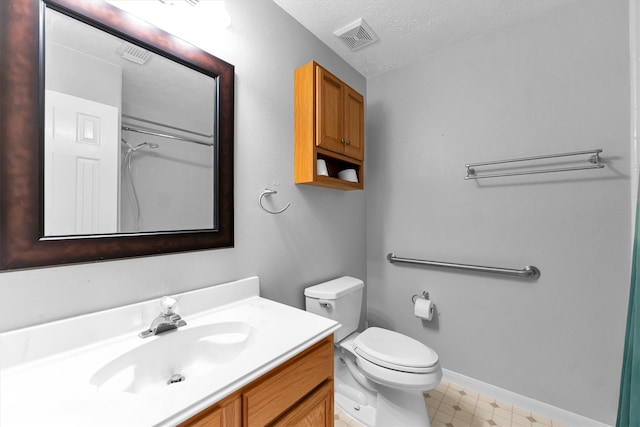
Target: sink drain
{"points": [[177, 378]]}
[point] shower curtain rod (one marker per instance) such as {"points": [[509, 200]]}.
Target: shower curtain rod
{"points": [[594, 159], [165, 135], [529, 271]]}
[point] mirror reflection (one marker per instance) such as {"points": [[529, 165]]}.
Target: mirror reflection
{"points": [[129, 136]]}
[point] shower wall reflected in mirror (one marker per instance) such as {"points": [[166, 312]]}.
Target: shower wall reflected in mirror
{"points": [[129, 136]]}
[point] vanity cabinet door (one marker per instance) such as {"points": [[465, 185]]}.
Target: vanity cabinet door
{"points": [[228, 413], [281, 389], [314, 411]]}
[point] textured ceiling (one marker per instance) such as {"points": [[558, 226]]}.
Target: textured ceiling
{"points": [[409, 29]]}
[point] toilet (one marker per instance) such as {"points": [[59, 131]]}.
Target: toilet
{"points": [[380, 375]]}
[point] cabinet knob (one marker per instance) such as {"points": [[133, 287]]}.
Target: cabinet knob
{"points": [[349, 142], [342, 141]]}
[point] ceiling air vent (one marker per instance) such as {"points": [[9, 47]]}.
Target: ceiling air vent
{"points": [[357, 35]]}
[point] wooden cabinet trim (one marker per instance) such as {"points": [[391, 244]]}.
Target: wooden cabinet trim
{"points": [[227, 413], [304, 124]]}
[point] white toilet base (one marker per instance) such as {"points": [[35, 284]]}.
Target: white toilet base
{"points": [[388, 407], [401, 408], [364, 414]]}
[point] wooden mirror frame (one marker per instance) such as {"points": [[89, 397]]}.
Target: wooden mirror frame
{"points": [[22, 241]]}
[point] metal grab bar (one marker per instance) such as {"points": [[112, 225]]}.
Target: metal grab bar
{"points": [[595, 160], [529, 271]]}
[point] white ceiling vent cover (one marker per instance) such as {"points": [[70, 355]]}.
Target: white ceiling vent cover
{"points": [[357, 35], [134, 53]]}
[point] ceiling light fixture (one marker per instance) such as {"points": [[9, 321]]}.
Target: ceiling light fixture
{"points": [[191, 20]]}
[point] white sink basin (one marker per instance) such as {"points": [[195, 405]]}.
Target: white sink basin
{"points": [[181, 354], [94, 370]]}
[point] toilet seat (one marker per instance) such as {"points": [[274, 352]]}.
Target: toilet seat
{"points": [[395, 351], [398, 379]]}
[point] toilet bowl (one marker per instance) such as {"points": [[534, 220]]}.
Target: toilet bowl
{"points": [[380, 375]]}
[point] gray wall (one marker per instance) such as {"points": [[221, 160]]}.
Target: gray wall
{"points": [[321, 236], [553, 85]]}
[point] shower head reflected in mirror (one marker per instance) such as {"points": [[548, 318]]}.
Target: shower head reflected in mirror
{"points": [[142, 145], [127, 171]]}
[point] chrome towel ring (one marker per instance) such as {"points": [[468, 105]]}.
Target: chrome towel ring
{"points": [[268, 192]]}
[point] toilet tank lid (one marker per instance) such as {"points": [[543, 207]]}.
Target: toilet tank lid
{"points": [[334, 288]]}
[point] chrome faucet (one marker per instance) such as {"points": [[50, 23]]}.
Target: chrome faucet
{"points": [[167, 320]]}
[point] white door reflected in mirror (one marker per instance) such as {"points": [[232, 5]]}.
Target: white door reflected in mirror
{"points": [[81, 166]]}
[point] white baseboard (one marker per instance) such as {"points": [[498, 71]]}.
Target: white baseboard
{"points": [[567, 418]]}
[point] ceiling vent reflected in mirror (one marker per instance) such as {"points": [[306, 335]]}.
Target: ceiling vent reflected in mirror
{"points": [[134, 53], [357, 35]]}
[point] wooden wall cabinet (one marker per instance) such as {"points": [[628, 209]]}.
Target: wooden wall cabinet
{"points": [[297, 393], [329, 125]]}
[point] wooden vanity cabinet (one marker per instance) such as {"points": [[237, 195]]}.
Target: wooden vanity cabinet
{"points": [[329, 125], [297, 393]]}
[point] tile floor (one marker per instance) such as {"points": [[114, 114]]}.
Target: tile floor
{"points": [[451, 405]]}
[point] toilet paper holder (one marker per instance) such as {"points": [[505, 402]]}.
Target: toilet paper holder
{"points": [[425, 295]]}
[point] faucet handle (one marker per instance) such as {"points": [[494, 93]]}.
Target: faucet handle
{"points": [[168, 304]]}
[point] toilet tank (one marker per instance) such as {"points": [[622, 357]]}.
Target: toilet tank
{"points": [[339, 299]]}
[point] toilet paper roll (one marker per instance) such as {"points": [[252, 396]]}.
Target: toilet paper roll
{"points": [[321, 167], [423, 308], [348, 175]]}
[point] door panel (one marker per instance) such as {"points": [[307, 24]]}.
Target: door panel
{"points": [[329, 112], [354, 124]]}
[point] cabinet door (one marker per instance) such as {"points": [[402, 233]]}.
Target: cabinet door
{"points": [[225, 415], [353, 124], [329, 112], [283, 387], [314, 411]]}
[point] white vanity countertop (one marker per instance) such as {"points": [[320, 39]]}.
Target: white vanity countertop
{"points": [[45, 370]]}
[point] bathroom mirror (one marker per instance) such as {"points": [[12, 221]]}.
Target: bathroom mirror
{"points": [[117, 138]]}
